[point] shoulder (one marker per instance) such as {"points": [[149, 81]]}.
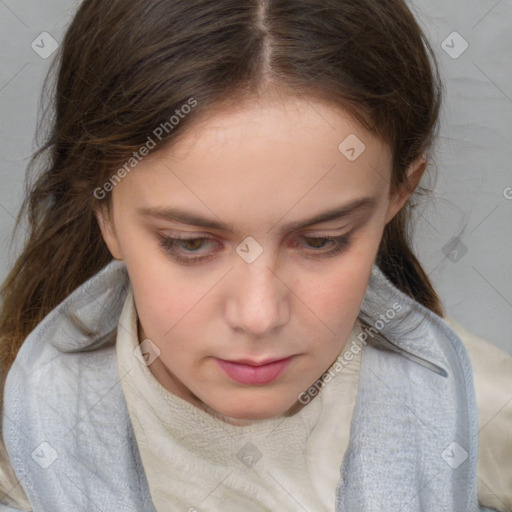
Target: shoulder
{"points": [[492, 378], [492, 372]]}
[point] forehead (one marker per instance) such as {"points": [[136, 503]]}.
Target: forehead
{"points": [[265, 154], [270, 122]]}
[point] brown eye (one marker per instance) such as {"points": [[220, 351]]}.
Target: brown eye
{"points": [[336, 244], [318, 243], [184, 249]]}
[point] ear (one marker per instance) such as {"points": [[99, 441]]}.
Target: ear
{"points": [[400, 197], [108, 231]]}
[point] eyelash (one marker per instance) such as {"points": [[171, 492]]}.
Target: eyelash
{"points": [[339, 243]]}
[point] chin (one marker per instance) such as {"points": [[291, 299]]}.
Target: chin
{"points": [[245, 414], [260, 412]]}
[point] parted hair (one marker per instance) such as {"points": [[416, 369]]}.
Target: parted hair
{"points": [[125, 66]]}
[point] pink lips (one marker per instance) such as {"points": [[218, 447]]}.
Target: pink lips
{"points": [[252, 374]]}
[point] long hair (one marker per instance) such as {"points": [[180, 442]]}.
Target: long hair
{"points": [[126, 67]]}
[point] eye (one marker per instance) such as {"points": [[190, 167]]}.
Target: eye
{"points": [[179, 248], [336, 244]]}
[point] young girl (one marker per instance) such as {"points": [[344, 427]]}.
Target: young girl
{"points": [[217, 308]]}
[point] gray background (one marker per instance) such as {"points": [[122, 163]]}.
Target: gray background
{"points": [[463, 235]]}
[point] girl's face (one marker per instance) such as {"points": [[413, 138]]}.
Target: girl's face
{"points": [[224, 236]]}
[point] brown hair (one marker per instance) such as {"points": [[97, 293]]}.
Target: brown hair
{"points": [[126, 66]]}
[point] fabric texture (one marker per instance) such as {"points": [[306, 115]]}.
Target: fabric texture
{"points": [[70, 440], [11, 490]]}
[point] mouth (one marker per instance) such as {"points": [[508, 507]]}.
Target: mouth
{"points": [[246, 371]]}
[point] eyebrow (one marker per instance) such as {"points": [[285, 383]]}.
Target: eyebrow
{"points": [[190, 218]]}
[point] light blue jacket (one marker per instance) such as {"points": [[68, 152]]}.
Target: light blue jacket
{"points": [[413, 440]]}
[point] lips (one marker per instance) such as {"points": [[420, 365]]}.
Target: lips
{"points": [[246, 371], [250, 362]]}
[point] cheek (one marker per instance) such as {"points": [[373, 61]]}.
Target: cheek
{"points": [[335, 295], [162, 310], [337, 300], [174, 312], [161, 298], [344, 282], [160, 305]]}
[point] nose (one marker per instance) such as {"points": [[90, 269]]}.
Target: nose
{"points": [[258, 300]]}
